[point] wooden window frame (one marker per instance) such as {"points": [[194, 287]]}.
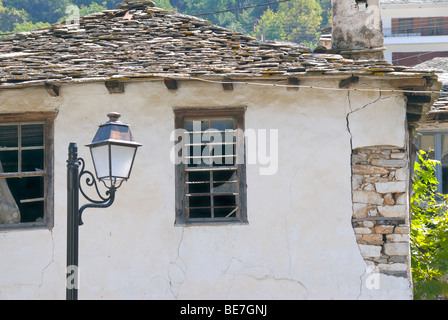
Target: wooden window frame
{"points": [[47, 119], [236, 113]]}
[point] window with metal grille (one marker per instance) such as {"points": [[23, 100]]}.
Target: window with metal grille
{"points": [[25, 171], [210, 180]]}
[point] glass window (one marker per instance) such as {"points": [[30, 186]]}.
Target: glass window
{"points": [[405, 25], [24, 174], [436, 145], [209, 179], [438, 26], [427, 144]]}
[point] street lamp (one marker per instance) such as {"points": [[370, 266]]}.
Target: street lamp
{"points": [[113, 152]]}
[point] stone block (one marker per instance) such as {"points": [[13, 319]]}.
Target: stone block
{"points": [[389, 199], [402, 174], [360, 210], [398, 155], [368, 224], [384, 229], [367, 197], [368, 251], [393, 267], [402, 230], [398, 237], [373, 239], [369, 170], [396, 249], [389, 163], [401, 198], [357, 181], [362, 230], [390, 187], [397, 211]]}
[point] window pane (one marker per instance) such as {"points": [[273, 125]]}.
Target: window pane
{"points": [[24, 195], [409, 25], [230, 187], [9, 136], [200, 213], [32, 135], [427, 143], [224, 155], [196, 125], [223, 124], [32, 211], [224, 201], [198, 176], [439, 27], [199, 188], [401, 25], [26, 188], [9, 161], [32, 160], [444, 142], [9, 210], [444, 137], [225, 212], [224, 175], [199, 201]]}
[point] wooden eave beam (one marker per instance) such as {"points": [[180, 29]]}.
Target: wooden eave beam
{"points": [[114, 86], [227, 84], [52, 89], [293, 82], [171, 84], [347, 82]]}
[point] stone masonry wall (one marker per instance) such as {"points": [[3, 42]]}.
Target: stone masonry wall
{"points": [[380, 208]]}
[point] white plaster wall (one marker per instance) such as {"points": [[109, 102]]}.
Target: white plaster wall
{"points": [[299, 243]]}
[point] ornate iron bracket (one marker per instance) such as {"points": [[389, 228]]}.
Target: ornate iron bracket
{"points": [[104, 202]]}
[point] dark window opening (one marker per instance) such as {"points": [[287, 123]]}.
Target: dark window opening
{"points": [[25, 176], [210, 180]]}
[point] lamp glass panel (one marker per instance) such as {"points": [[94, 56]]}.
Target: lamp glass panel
{"points": [[122, 158], [100, 157]]}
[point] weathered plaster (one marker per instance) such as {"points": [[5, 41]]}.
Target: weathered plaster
{"points": [[299, 243], [354, 28]]}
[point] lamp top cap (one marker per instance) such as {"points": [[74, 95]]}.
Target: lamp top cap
{"points": [[114, 116]]}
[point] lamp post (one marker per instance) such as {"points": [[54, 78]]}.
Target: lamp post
{"points": [[113, 152]]}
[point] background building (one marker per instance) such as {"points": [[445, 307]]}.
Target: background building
{"points": [[414, 31]]}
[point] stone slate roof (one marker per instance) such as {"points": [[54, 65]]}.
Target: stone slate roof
{"points": [[412, 2], [439, 110], [139, 40]]}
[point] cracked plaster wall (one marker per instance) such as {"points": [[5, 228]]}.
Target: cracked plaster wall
{"points": [[299, 242]]}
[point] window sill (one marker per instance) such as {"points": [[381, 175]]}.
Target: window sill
{"points": [[217, 223]]}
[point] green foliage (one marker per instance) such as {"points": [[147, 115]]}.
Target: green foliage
{"points": [[270, 25], [10, 16], [326, 12], [297, 20], [300, 20], [38, 10], [29, 26], [165, 4], [429, 232]]}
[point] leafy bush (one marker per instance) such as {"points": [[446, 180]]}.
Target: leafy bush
{"points": [[429, 233]]}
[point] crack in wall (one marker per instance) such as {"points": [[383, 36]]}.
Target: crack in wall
{"points": [[269, 274], [48, 265], [175, 268], [375, 242], [37, 286]]}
